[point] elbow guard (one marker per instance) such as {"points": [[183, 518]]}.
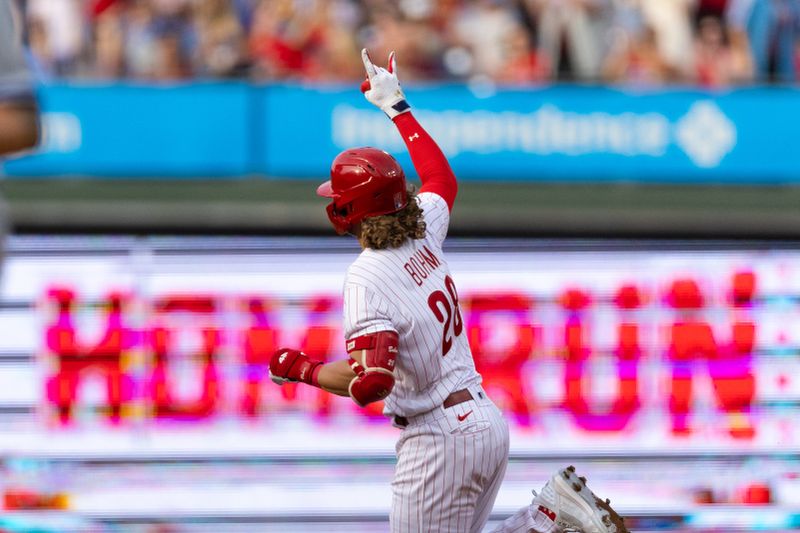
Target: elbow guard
{"points": [[375, 378]]}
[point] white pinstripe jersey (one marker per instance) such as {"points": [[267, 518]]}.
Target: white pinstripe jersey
{"points": [[409, 290]]}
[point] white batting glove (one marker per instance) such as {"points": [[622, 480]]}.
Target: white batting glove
{"points": [[382, 88]]}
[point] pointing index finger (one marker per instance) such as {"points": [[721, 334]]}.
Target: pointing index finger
{"points": [[368, 66]]}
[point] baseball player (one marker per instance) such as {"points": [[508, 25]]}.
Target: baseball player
{"points": [[19, 128], [406, 344], [19, 122]]}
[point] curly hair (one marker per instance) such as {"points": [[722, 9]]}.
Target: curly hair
{"points": [[392, 230]]}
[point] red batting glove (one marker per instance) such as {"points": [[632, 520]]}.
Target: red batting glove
{"points": [[291, 366]]}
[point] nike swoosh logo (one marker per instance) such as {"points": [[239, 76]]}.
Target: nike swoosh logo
{"points": [[463, 417]]}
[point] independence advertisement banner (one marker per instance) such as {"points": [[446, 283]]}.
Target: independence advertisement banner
{"points": [[553, 133]]}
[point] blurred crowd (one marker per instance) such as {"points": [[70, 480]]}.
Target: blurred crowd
{"points": [[644, 42]]}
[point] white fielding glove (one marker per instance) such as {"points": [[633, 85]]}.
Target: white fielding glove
{"points": [[382, 88]]}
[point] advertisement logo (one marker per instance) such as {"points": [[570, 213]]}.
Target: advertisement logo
{"points": [[705, 134]]}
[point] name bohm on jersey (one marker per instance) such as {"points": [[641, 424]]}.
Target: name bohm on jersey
{"points": [[421, 264]]}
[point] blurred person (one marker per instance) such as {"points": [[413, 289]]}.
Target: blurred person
{"points": [[797, 59], [171, 8], [482, 28], [522, 64], [160, 40], [336, 58], [636, 59], [711, 8], [331, 59], [411, 33], [39, 46], [443, 12], [719, 60], [62, 23], [429, 43], [741, 57], [222, 49], [109, 42], [571, 30], [19, 117], [141, 40], [773, 29], [406, 345], [284, 36], [627, 15], [171, 62], [671, 20], [176, 39], [244, 12], [19, 125]]}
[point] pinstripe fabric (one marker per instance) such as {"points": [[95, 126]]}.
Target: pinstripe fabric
{"points": [[390, 290], [450, 462], [449, 471]]}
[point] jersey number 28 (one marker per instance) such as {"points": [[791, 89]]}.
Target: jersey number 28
{"points": [[447, 312]]}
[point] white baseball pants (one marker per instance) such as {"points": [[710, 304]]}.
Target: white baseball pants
{"points": [[450, 465]]}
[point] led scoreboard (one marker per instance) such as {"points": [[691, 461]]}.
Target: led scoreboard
{"points": [[699, 345], [137, 347]]}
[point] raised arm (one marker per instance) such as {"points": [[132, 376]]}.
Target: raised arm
{"points": [[431, 164], [382, 88]]}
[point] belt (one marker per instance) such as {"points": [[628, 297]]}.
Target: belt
{"points": [[455, 398]]}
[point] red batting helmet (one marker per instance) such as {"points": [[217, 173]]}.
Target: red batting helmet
{"points": [[365, 182]]}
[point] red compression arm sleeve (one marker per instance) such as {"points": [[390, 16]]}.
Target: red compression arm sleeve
{"points": [[431, 164]]}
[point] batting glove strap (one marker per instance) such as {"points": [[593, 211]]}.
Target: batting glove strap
{"points": [[397, 109]]}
